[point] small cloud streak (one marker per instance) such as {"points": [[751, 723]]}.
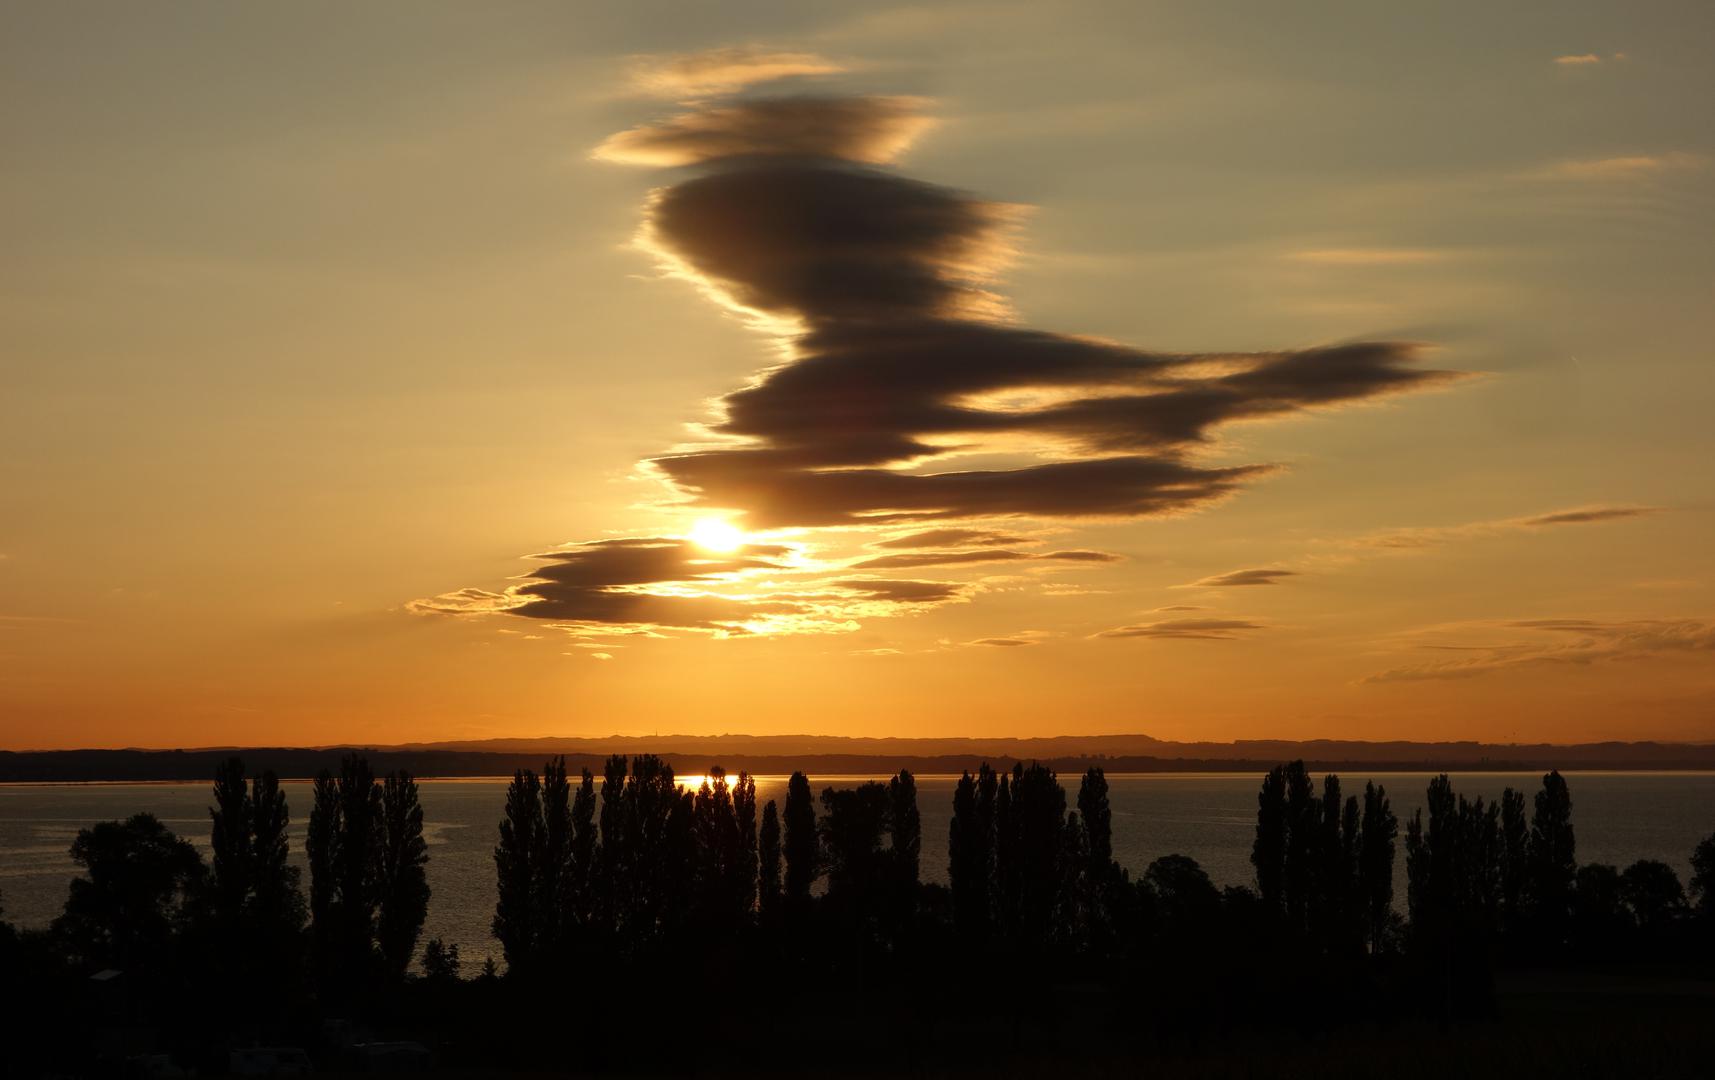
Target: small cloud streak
{"points": [[1270, 576], [1554, 642], [1186, 629], [1437, 535], [1626, 167], [941, 538], [722, 71], [1578, 60], [956, 558], [1368, 256]]}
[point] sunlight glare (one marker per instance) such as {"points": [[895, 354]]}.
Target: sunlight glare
{"points": [[718, 535]]}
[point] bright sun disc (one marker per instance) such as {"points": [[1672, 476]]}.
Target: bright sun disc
{"points": [[714, 534]]}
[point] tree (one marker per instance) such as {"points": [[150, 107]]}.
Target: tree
{"points": [[582, 887], [800, 847], [401, 883], [1030, 834], [1268, 851], [852, 824], [440, 962], [230, 850], [1600, 921], [1375, 863], [1552, 857], [745, 863], [1703, 880], [1303, 835], [1654, 897], [279, 905], [140, 888], [768, 858], [1515, 861], [515, 915], [551, 864], [1186, 900], [970, 855], [318, 848]]}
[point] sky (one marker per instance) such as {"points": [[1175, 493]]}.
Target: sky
{"points": [[421, 371]]}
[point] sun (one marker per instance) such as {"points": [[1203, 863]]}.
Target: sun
{"points": [[717, 534]]}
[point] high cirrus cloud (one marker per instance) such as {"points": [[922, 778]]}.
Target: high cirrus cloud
{"points": [[899, 365]]}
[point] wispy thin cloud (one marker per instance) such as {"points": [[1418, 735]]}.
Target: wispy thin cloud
{"points": [[1261, 576], [1186, 629], [1550, 642], [1437, 535], [1368, 256], [1622, 167], [722, 71]]}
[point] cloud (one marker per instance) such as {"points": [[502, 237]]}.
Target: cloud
{"points": [[644, 584], [1623, 168], [722, 71], [1368, 256], [874, 130], [936, 538], [955, 558], [1579, 60], [1586, 515], [1437, 535], [1186, 629], [1243, 577], [902, 396], [1003, 642], [898, 357], [1551, 642]]}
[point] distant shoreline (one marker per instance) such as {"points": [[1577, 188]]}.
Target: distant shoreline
{"points": [[1351, 767], [692, 756]]}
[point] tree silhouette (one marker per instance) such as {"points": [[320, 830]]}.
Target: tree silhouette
{"points": [[1703, 880], [1268, 851], [318, 849], [725, 879], [1375, 864], [768, 858], [440, 962], [515, 922], [551, 865], [583, 870], [1515, 862], [1030, 834], [1599, 919], [1552, 858], [402, 885], [140, 888], [1653, 895], [230, 856], [970, 858], [1303, 835], [800, 846], [852, 824]]}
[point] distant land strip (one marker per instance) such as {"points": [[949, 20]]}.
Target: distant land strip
{"points": [[135, 765]]}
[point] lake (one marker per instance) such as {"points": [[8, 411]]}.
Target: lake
{"points": [[1619, 818]]}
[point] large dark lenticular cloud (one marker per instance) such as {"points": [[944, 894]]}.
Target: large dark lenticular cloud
{"points": [[899, 362], [898, 355]]}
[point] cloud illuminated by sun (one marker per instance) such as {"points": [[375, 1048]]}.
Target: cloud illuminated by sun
{"points": [[716, 534]]}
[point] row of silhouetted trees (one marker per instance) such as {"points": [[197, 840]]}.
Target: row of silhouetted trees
{"points": [[635, 866], [148, 906]]}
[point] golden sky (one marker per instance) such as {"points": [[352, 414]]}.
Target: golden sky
{"points": [[430, 371]]}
